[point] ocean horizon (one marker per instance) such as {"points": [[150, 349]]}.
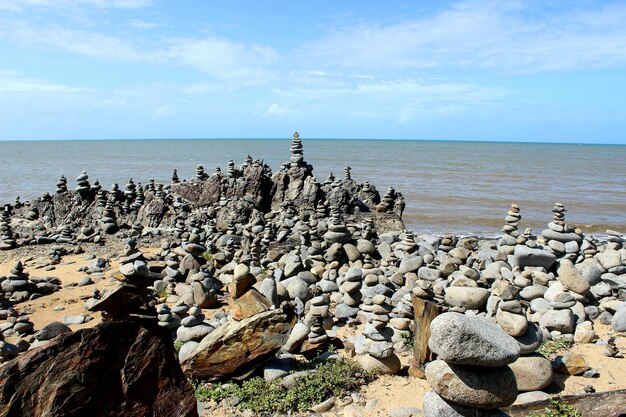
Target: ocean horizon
{"points": [[464, 187]]}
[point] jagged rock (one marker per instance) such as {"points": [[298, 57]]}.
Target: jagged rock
{"points": [[116, 368], [249, 304], [236, 347]]}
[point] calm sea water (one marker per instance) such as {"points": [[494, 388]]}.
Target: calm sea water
{"points": [[465, 187]]}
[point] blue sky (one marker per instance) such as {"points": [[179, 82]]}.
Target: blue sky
{"points": [[552, 71]]}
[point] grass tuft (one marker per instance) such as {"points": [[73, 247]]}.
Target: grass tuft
{"points": [[557, 408], [550, 348]]}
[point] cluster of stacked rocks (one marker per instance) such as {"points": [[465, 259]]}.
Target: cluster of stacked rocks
{"points": [[562, 238], [19, 286], [511, 236], [7, 241], [297, 156], [61, 185], [82, 184], [471, 375], [378, 347]]}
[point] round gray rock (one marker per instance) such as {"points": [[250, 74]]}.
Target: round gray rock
{"points": [[471, 340]]}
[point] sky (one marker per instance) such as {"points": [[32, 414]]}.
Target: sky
{"points": [[538, 71]]}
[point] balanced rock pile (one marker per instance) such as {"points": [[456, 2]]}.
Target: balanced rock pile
{"points": [[471, 375], [562, 238]]}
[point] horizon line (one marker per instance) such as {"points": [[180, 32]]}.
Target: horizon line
{"points": [[323, 138]]}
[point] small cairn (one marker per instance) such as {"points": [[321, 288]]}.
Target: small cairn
{"points": [[378, 348], [62, 185], [83, 183], [108, 222], [448, 242], [562, 238], [297, 155], [7, 241], [230, 171], [200, 174], [470, 376], [346, 173], [387, 201], [408, 244], [101, 198], [315, 320], [130, 192], [510, 239], [175, 179], [350, 288], [193, 328], [16, 287], [337, 230]]}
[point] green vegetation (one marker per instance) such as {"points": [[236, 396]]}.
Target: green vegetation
{"points": [[557, 409], [408, 340], [329, 378], [177, 345], [549, 348]]}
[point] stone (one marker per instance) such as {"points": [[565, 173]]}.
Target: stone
{"points": [[514, 324], [570, 364], [73, 320], [52, 330], [296, 337], [571, 278], [436, 406], [193, 333], [471, 340], [249, 304], [584, 333], [235, 348], [531, 340], [131, 366], [525, 256], [532, 372], [618, 322], [559, 320], [472, 298], [472, 385], [390, 365]]}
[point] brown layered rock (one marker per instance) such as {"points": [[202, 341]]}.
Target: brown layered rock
{"points": [[234, 348], [116, 368], [249, 304]]}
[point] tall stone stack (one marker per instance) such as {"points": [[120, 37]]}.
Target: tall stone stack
{"points": [[471, 375], [510, 239], [175, 179], [7, 241], [108, 222], [563, 239], [297, 155], [61, 185], [350, 288], [82, 185], [379, 354], [346, 173]]}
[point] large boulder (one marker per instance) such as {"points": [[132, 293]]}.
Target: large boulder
{"points": [[471, 340], [473, 385], [235, 348], [116, 368], [525, 256]]}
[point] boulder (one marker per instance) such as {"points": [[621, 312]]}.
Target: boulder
{"points": [[473, 385], [525, 256], [436, 406], [571, 278], [532, 372], [472, 298], [249, 304], [116, 368], [237, 347], [471, 340]]}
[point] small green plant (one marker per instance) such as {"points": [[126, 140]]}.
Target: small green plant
{"points": [[408, 340], [330, 378], [207, 256], [177, 345], [550, 348], [557, 408]]}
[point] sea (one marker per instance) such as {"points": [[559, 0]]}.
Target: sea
{"points": [[460, 187]]}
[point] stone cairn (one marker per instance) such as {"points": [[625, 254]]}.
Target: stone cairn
{"points": [[510, 239], [200, 174], [175, 179], [297, 155], [7, 241], [62, 185], [378, 347], [82, 185], [350, 288], [562, 238], [471, 375], [108, 222]]}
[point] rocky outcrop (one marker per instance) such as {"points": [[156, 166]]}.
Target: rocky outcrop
{"points": [[117, 368], [237, 347]]}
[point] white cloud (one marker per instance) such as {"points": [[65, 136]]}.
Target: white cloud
{"points": [[142, 24], [21, 5], [483, 34], [280, 111], [14, 82]]}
